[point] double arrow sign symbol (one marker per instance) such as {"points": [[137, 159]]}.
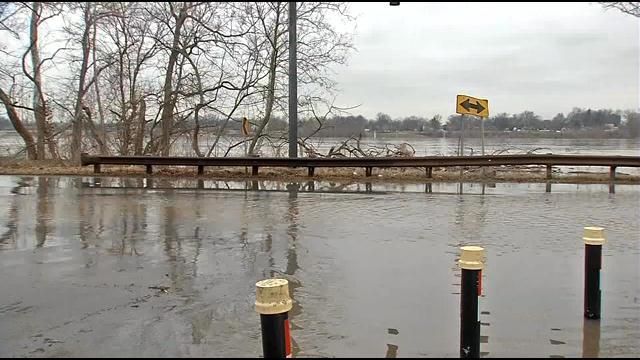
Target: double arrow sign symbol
{"points": [[468, 105], [472, 106]]}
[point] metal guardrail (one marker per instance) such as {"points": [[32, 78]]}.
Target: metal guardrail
{"points": [[428, 162]]}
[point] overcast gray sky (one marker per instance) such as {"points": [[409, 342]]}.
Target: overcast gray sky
{"points": [[414, 58]]}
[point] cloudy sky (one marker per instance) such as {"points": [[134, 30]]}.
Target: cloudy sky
{"points": [[414, 58]]}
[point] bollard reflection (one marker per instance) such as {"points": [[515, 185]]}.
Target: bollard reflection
{"points": [[590, 338]]}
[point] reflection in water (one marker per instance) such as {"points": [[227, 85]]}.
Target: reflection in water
{"points": [[43, 209], [173, 246], [590, 338], [292, 259], [9, 238], [344, 187]]}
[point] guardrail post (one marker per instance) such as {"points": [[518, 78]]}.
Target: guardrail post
{"points": [[548, 172], [471, 262], [612, 174], [200, 169], [96, 168], [254, 170], [429, 172], [368, 171], [593, 239], [273, 304], [149, 169], [311, 170]]}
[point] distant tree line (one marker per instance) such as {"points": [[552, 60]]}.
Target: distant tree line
{"points": [[617, 123]]}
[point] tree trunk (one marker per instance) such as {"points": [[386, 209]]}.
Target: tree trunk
{"points": [[101, 131], [76, 136], [169, 98], [271, 86], [93, 129], [17, 124], [196, 130], [38, 97], [140, 128]]}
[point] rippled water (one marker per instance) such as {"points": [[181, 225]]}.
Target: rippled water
{"points": [[372, 267]]}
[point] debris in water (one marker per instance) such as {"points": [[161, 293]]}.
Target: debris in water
{"points": [[163, 289]]}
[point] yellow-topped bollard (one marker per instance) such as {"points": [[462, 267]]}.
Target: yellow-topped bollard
{"points": [[273, 304], [471, 262], [593, 238], [471, 258], [272, 296], [593, 235]]}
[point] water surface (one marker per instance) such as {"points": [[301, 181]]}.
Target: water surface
{"points": [[372, 267]]}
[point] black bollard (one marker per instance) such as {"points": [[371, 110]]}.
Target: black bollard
{"points": [[593, 240], [273, 304], [471, 262]]}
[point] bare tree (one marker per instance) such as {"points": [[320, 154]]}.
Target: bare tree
{"points": [[126, 39], [630, 7], [12, 17], [40, 106], [92, 13], [320, 45], [174, 19], [7, 13], [16, 121], [156, 74]]}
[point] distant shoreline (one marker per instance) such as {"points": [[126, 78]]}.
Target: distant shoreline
{"points": [[471, 134], [500, 135]]}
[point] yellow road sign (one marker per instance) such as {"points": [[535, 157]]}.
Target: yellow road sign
{"points": [[471, 106], [246, 127]]}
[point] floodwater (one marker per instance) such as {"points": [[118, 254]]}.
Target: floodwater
{"points": [[103, 267], [10, 142]]}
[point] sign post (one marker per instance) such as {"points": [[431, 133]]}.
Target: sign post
{"points": [[467, 105]]}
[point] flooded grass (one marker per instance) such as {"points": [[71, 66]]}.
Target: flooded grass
{"points": [[517, 174]]}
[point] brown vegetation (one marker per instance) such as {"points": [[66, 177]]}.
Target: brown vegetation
{"points": [[520, 174]]}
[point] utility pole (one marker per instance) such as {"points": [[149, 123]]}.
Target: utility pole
{"points": [[293, 83]]}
